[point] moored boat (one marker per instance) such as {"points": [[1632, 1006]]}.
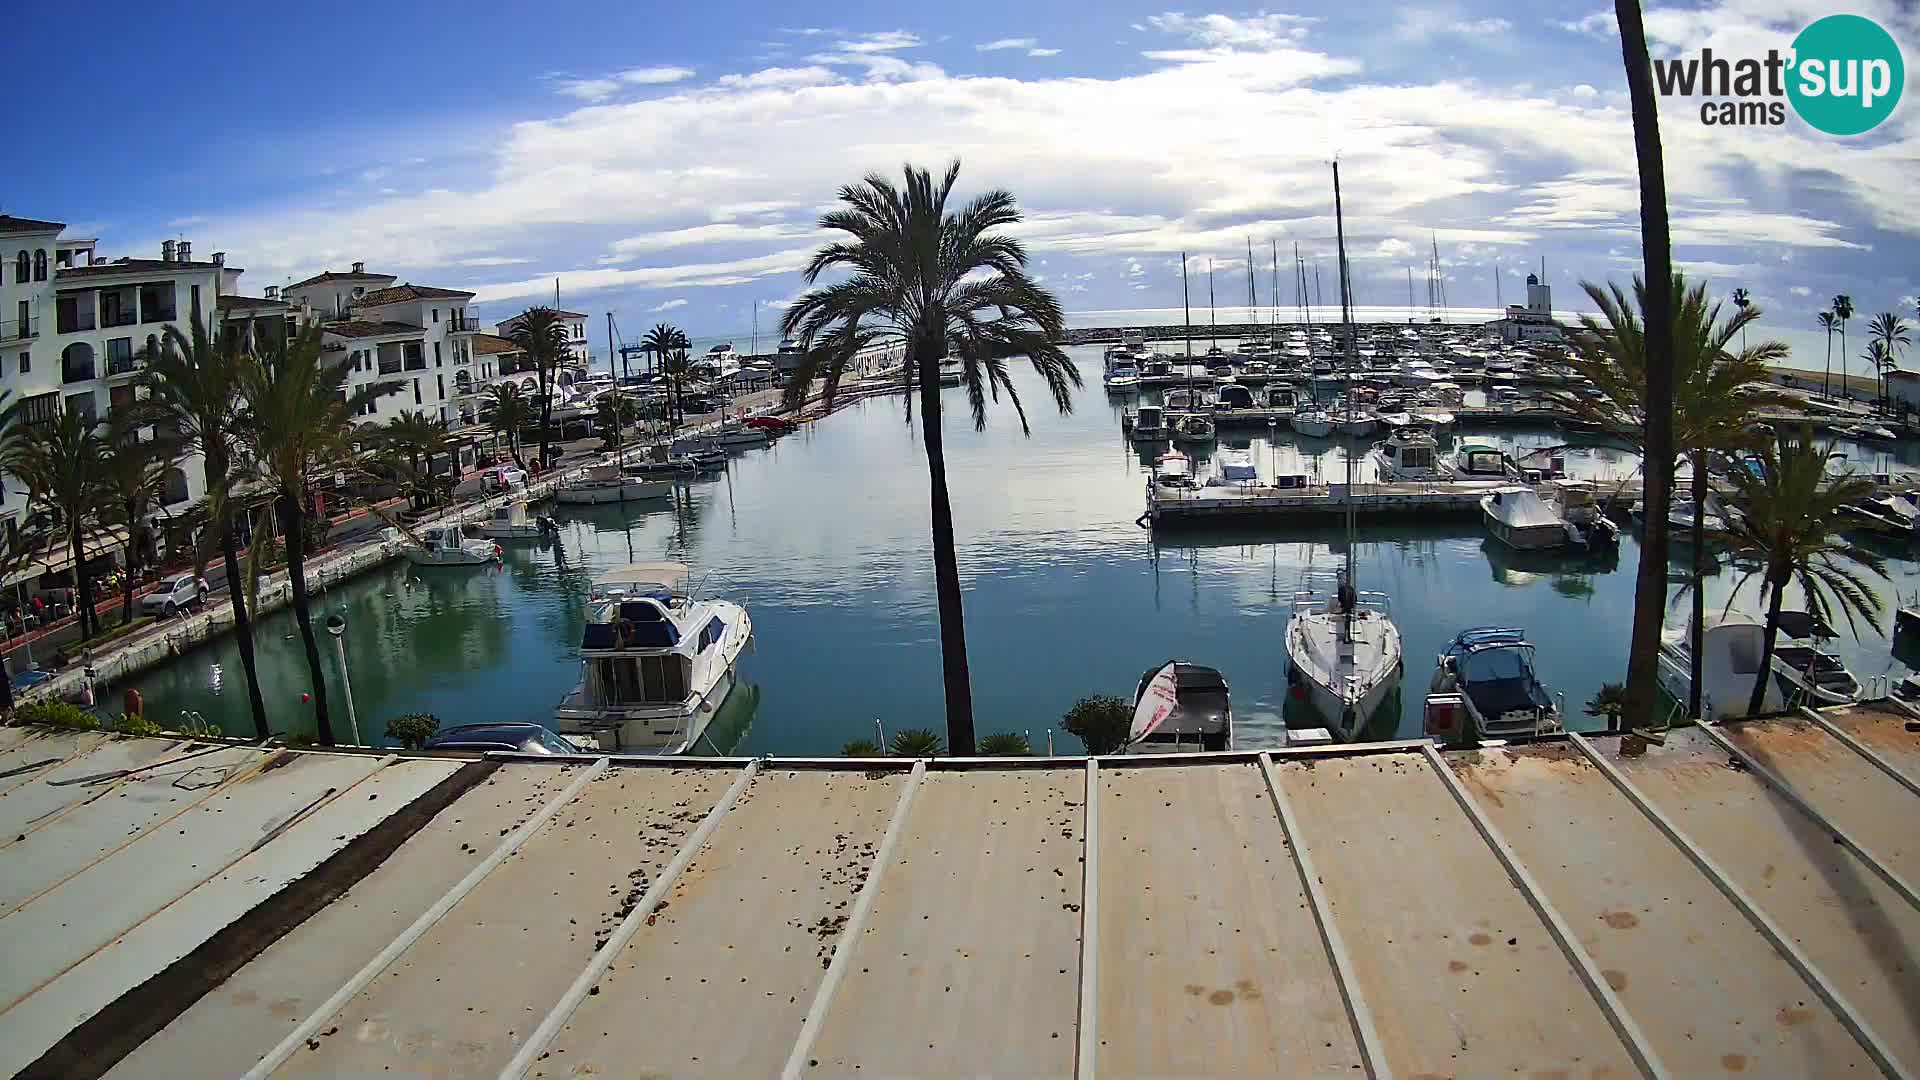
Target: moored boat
{"points": [[512, 522], [1484, 686], [1181, 708], [448, 546], [1519, 518], [609, 484]]}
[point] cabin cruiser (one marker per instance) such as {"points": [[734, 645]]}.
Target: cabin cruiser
{"points": [[609, 484], [1480, 461], [448, 546], [1185, 400], [1121, 374], [656, 664], [1484, 686], [739, 433], [1312, 422], [1233, 396], [1357, 423], [1280, 397], [1680, 514], [1255, 371], [1575, 503], [1234, 468], [1890, 515], [1193, 428], [1519, 518], [1180, 708], [1343, 655], [1150, 424], [1174, 469], [951, 372], [1410, 453], [512, 522], [1731, 661]]}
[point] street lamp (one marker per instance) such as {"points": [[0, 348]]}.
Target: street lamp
{"points": [[337, 626]]}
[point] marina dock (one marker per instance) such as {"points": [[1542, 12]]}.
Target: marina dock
{"points": [[1365, 910]]}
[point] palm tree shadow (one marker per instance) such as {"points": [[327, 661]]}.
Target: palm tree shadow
{"points": [[1891, 952]]}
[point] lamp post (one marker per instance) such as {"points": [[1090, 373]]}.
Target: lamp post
{"points": [[337, 626]]}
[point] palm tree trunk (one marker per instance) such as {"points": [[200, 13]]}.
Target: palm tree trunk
{"points": [[1650, 589], [1697, 636], [243, 627], [1772, 631], [132, 560], [546, 413], [1827, 384], [88, 624], [946, 569], [295, 518], [1843, 359]]}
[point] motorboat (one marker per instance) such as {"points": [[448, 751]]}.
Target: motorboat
{"points": [[1730, 663], [1518, 517], [1122, 375], [1193, 428], [1343, 655], [1480, 461], [951, 372], [656, 664], [1410, 453], [1181, 708], [1485, 686], [512, 522], [1280, 397], [1312, 422], [703, 450], [1800, 656], [1233, 396], [1188, 400], [1150, 424], [1357, 423], [1888, 515], [1174, 469], [672, 466], [448, 546], [1681, 514], [609, 484], [1234, 468], [1575, 502], [739, 434]]}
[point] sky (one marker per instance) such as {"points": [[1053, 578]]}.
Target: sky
{"points": [[670, 162]]}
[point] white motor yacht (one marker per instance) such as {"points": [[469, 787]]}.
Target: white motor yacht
{"points": [[448, 546], [609, 484], [1234, 468], [1802, 673], [1122, 375], [1174, 469], [1150, 424], [656, 664], [1519, 518], [512, 522], [1409, 454]]}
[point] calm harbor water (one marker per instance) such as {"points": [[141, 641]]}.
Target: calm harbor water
{"points": [[823, 536]]}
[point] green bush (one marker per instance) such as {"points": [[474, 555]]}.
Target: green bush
{"points": [[1103, 723], [917, 742], [413, 729], [130, 724], [1006, 744], [57, 714], [861, 748]]}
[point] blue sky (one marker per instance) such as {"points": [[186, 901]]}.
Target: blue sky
{"points": [[669, 161]]}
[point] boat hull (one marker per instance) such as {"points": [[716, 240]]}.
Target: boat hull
{"points": [[628, 491], [657, 729], [1526, 537]]}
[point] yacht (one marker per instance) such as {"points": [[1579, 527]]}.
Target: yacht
{"points": [[1575, 503], [1357, 423], [1804, 672], [1889, 515], [1484, 686], [1173, 469], [1181, 708], [1410, 453], [951, 372], [1150, 424], [1193, 428], [1312, 422], [1519, 518], [609, 484], [1233, 396], [1480, 461], [737, 433], [656, 664], [448, 546], [1234, 468], [1343, 655], [1122, 375], [512, 522]]}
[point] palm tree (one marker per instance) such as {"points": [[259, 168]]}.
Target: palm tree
{"points": [[1715, 396], [1842, 311], [416, 436], [677, 368], [507, 413], [1742, 300], [132, 477], [543, 337], [1881, 361], [935, 284], [1827, 323], [1889, 331], [193, 386], [299, 424], [1656, 242], [1788, 529], [614, 412], [59, 462], [670, 346]]}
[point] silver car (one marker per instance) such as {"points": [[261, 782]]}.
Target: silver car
{"points": [[173, 595]]}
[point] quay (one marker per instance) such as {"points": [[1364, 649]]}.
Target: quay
{"points": [[1734, 899]]}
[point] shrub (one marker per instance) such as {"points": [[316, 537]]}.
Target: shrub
{"points": [[917, 742], [57, 714], [196, 726], [131, 724], [1006, 744], [861, 748], [412, 730], [1101, 722]]}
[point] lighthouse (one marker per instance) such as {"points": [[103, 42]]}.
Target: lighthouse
{"points": [[1533, 322], [1539, 296]]}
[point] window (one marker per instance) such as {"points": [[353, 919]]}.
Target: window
{"points": [[713, 632], [70, 316], [40, 408], [436, 354], [157, 302], [22, 267], [82, 405], [441, 382], [416, 391], [119, 355], [436, 314], [26, 362], [193, 300], [40, 265]]}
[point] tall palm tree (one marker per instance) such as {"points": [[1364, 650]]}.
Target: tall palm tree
{"points": [[670, 345], [1889, 331], [1828, 323], [507, 413], [193, 386], [1788, 527], [614, 412], [1742, 300], [59, 462], [543, 337], [1716, 395], [1842, 311], [934, 283], [1656, 242], [299, 424], [133, 473], [417, 438]]}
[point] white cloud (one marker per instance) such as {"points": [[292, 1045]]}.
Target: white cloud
{"points": [[1584, 91], [734, 272], [1007, 43], [666, 305], [1598, 24], [587, 89], [777, 78], [1481, 27], [1225, 31], [1043, 52], [1393, 248], [491, 260], [655, 76], [719, 232], [601, 88], [1801, 290]]}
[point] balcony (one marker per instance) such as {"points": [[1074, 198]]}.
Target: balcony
{"points": [[69, 321], [125, 365], [389, 367], [117, 318], [462, 324], [20, 329], [77, 371], [416, 363]]}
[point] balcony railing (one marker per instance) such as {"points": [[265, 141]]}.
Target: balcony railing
{"points": [[416, 363], [125, 365], [389, 367], [76, 372], [20, 329], [73, 324], [166, 314], [118, 318], [462, 324]]}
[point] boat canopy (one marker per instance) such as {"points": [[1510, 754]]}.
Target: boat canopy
{"points": [[1237, 465], [1234, 396], [643, 579], [1521, 508]]}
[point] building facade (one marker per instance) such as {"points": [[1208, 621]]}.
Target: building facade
{"points": [[416, 335], [577, 353], [1532, 321]]}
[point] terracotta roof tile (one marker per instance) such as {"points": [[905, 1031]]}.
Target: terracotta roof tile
{"points": [[399, 293], [358, 328]]}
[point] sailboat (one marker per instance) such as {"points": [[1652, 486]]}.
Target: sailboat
{"points": [[1343, 650]]}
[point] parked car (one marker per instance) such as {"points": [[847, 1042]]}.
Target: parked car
{"points": [[174, 595], [504, 477], [521, 738]]}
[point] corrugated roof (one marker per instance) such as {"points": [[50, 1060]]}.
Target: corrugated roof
{"points": [[1736, 901], [399, 293]]}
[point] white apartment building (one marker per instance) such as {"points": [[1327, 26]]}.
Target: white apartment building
{"points": [[417, 335], [73, 328], [577, 353]]}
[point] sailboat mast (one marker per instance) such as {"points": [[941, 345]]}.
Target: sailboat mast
{"points": [[1346, 326], [1213, 324], [753, 349], [1253, 298], [1409, 294], [1276, 289], [1186, 305], [618, 401]]}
